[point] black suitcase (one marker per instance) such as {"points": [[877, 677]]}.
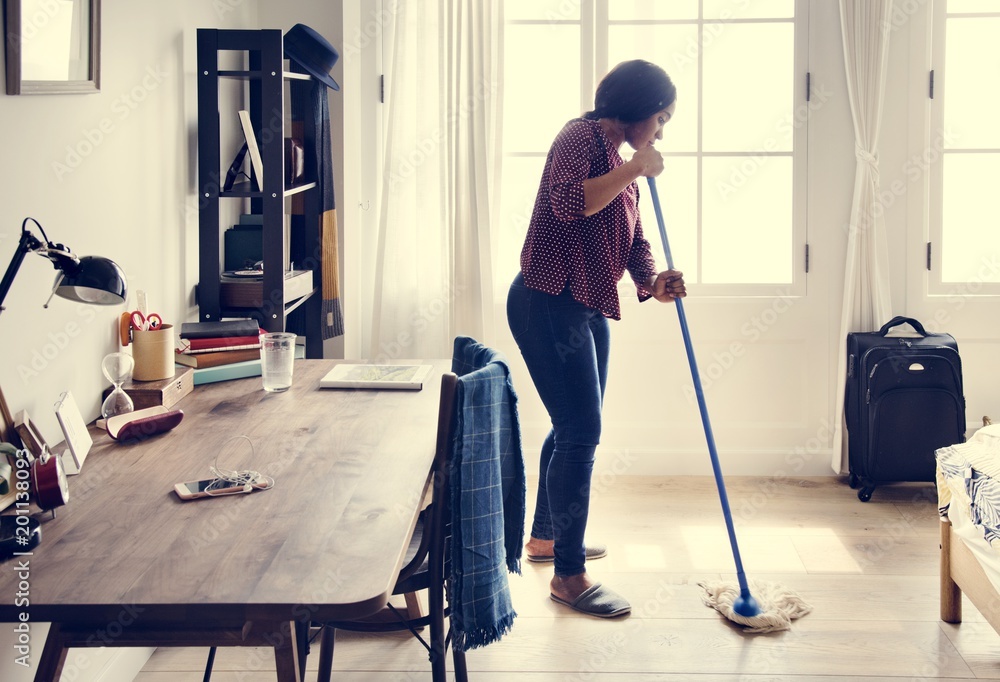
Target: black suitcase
{"points": [[903, 401]]}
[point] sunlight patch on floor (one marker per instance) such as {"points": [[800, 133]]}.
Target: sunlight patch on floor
{"points": [[708, 548]]}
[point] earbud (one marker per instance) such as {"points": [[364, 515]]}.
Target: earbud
{"points": [[247, 488]]}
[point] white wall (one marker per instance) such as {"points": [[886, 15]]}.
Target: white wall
{"points": [[126, 193]]}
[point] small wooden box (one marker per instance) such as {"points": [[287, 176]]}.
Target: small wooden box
{"points": [[166, 392]]}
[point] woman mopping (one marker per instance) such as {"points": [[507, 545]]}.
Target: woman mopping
{"points": [[584, 234]]}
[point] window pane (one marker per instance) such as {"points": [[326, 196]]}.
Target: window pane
{"points": [[619, 10], [521, 176], [675, 48], [971, 101], [748, 87], [971, 6], [747, 230], [538, 101], [678, 190], [747, 9], [971, 219], [550, 10]]}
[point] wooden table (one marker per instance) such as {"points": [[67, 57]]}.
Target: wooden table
{"points": [[126, 563]]}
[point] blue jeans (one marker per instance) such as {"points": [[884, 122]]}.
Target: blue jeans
{"points": [[565, 345]]}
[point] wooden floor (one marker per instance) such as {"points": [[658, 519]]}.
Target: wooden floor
{"points": [[870, 570]]}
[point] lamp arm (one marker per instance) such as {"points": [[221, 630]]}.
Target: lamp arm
{"points": [[26, 244]]}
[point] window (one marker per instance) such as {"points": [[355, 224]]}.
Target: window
{"points": [[964, 149], [733, 189]]}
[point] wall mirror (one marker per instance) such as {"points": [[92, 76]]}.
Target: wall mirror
{"points": [[53, 46]]}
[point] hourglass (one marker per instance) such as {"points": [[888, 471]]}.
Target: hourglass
{"points": [[117, 368]]}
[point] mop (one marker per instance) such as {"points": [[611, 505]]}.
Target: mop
{"points": [[775, 607]]}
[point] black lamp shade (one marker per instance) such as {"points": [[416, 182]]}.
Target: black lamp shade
{"points": [[93, 280]]}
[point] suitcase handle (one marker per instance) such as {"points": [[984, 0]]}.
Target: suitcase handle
{"points": [[900, 319]]}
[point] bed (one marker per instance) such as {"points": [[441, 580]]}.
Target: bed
{"points": [[968, 478]]}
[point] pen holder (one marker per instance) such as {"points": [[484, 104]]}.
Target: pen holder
{"points": [[153, 352]]}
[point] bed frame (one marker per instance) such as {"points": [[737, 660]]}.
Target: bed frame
{"points": [[962, 574]]}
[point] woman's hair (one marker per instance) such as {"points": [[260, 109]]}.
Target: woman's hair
{"points": [[632, 91]]}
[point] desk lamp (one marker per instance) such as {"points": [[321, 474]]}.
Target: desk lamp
{"points": [[90, 279]]}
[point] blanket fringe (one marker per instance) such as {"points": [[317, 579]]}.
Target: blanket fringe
{"points": [[463, 640], [779, 606]]}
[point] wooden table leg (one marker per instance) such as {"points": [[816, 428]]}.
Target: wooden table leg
{"points": [[53, 658], [286, 653]]}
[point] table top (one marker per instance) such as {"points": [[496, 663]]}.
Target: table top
{"points": [[350, 468]]}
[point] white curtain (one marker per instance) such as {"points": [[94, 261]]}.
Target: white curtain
{"points": [[866, 305], [440, 194]]}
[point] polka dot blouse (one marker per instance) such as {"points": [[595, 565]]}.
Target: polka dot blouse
{"points": [[587, 254]]}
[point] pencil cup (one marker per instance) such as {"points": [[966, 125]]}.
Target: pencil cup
{"points": [[277, 355], [153, 352]]}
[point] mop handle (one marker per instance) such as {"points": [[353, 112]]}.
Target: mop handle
{"points": [[703, 408]]}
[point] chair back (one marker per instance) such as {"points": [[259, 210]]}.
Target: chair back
{"points": [[437, 516]]}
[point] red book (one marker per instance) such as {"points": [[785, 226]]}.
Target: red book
{"points": [[220, 343]]}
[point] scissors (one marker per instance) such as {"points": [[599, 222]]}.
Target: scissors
{"points": [[145, 323]]}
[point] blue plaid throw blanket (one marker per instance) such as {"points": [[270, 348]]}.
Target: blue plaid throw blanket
{"points": [[488, 497]]}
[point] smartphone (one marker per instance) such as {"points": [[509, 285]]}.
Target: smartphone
{"points": [[192, 490]]}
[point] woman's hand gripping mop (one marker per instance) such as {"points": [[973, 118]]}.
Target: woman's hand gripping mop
{"points": [[776, 606]]}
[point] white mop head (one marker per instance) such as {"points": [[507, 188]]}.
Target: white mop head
{"points": [[778, 605]]}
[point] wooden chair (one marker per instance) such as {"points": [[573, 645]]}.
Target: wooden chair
{"points": [[426, 566]]}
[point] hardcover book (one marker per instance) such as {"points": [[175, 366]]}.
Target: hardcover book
{"points": [[221, 328], [405, 377], [234, 370], [217, 358], [219, 343]]}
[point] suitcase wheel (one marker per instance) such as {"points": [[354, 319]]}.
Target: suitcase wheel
{"points": [[865, 493], [853, 481]]}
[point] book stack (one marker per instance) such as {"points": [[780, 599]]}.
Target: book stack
{"points": [[231, 345]]}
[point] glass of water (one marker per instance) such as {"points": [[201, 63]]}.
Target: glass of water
{"points": [[277, 356]]}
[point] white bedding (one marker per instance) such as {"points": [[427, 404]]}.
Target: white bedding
{"points": [[969, 495]]}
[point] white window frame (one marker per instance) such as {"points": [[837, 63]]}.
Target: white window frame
{"points": [[932, 154]]}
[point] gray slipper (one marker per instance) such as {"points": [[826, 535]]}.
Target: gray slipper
{"points": [[598, 601], [589, 554]]}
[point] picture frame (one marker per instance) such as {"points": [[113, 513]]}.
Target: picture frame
{"points": [[251, 139], [31, 437], [78, 438], [53, 48], [8, 433], [8, 464]]}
